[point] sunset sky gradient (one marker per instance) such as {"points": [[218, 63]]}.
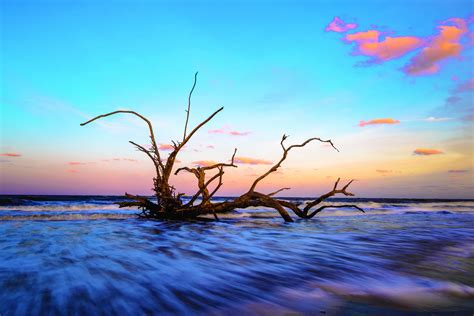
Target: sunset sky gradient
{"points": [[391, 83]]}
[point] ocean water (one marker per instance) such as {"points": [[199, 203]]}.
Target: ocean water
{"points": [[68, 255]]}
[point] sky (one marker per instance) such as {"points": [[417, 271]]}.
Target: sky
{"points": [[389, 82]]}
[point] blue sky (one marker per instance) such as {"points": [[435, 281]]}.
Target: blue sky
{"points": [[270, 63]]}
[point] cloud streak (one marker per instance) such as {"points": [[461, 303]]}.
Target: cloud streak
{"points": [[426, 152], [204, 163], [383, 171], [458, 171], [436, 119], [380, 121], [227, 131], [10, 155], [251, 161], [165, 147], [76, 163]]}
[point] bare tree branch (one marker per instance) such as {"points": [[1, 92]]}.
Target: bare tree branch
{"points": [[202, 189], [150, 126], [158, 164], [334, 206], [278, 191], [329, 194], [285, 154], [198, 127], [189, 105], [218, 186], [200, 173], [231, 164], [174, 153]]}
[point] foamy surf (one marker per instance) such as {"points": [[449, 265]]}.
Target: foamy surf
{"points": [[97, 207], [57, 258]]}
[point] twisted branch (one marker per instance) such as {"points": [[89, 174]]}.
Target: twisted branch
{"points": [[150, 127], [200, 173], [333, 192], [333, 206], [285, 154], [278, 191]]}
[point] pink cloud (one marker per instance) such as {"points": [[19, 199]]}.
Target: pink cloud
{"points": [[10, 155], [72, 171], [368, 44], [204, 163], [166, 147], [251, 161], [362, 37], [225, 130], [426, 152], [210, 146], [339, 26], [378, 121], [75, 163], [440, 47], [236, 133]]}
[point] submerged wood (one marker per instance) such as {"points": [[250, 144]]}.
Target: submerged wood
{"points": [[170, 205]]}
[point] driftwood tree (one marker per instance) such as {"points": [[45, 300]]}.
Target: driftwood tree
{"points": [[172, 205]]}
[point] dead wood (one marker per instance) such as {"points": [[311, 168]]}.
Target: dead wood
{"points": [[168, 204]]}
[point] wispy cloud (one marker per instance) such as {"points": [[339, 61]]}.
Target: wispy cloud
{"points": [[72, 171], [442, 46], [451, 100], [460, 100], [339, 26], [465, 86], [75, 163], [117, 159], [165, 147], [386, 172], [378, 122], [426, 152], [436, 119], [10, 155], [251, 161], [458, 171], [226, 130]]}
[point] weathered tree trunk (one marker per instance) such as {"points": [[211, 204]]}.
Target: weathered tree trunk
{"points": [[170, 205]]}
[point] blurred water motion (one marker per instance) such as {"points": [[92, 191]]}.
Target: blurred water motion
{"points": [[85, 256]]}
